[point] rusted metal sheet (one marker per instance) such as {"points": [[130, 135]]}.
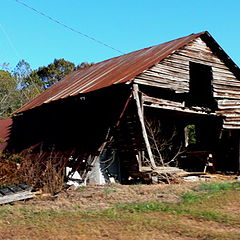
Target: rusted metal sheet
{"points": [[5, 126], [113, 71]]}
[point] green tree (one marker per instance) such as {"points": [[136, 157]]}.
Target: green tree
{"points": [[28, 81], [45, 76], [54, 72], [10, 98], [24, 83], [83, 65]]}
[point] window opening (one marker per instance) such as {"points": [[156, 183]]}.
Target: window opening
{"points": [[190, 135], [200, 86]]}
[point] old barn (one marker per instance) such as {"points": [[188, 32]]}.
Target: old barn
{"points": [[154, 111]]}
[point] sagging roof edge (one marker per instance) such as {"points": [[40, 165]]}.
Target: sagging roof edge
{"points": [[179, 43]]}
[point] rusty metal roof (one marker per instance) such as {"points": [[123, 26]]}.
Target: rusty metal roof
{"points": [[113, 71]]}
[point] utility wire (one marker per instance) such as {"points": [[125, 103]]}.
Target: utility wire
{"points": [[18, 56], [9, 41], [69, 28]]}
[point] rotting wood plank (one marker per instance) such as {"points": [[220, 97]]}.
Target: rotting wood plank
{"points": [[171, 83], [177, 62], [162, 101], [184, 59], [224, 77], [225, 95], [167, 79], [226, 72], [229, 83], [162, 73], [144, 131], [160, 85], [223, 87], [229, 102], [16, 197], [164, 79], [238, 153], [171, 105], [199, 55], [173, 79], [15, 193], [230, 126], [174, 64], [233, 120], [169, 69], [164, 170], [229, 91], [232, 123], [186, 110]]}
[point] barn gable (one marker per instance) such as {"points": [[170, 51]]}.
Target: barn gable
{"points": [[173, 73], [166, 66]]}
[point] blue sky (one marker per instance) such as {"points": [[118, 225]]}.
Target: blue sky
{"points": [[127, 25]]}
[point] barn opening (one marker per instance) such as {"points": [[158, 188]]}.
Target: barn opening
{"points": [[200, 85]]}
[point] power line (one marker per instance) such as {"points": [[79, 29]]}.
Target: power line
{"points": [[69, 28], [18, 56], [9, 41]]}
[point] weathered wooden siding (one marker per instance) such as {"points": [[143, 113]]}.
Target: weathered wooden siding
{"points": [[230, 109], [173, 73]]}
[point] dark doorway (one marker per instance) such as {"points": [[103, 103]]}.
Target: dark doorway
{"points": [[200, 85]]}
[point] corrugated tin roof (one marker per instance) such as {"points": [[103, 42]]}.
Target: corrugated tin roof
{"points": [[113, 71]]}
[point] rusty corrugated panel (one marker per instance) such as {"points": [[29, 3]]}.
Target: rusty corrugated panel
{"points": [[5, 126], [113, 71]]}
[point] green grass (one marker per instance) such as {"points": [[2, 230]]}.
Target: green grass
{"points": [[191, 217], [218, 186], [178, 209], [192, 197], [194, 204], [81, 188]]}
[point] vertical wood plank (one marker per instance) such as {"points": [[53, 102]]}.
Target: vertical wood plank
{"points": [[144, 131]]}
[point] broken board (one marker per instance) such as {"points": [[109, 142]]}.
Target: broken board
{"points": [[15, 193]]}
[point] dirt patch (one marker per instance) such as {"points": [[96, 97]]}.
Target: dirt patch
{"points": [[101, 197]]}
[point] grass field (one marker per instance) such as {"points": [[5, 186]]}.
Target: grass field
{"points": [[199, 211]]}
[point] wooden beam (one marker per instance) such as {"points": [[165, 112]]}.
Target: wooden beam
{"points": [[239, 153], [144, 131]]}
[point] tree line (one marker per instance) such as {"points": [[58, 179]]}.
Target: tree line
{"points": [[22, 84]]}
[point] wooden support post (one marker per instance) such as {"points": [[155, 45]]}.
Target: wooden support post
{"points": [[144, 131], [96, 158], [139, 160], [239, 153]]}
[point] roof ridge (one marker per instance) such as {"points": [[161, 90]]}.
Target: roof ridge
{"points": [[142, 49]]}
